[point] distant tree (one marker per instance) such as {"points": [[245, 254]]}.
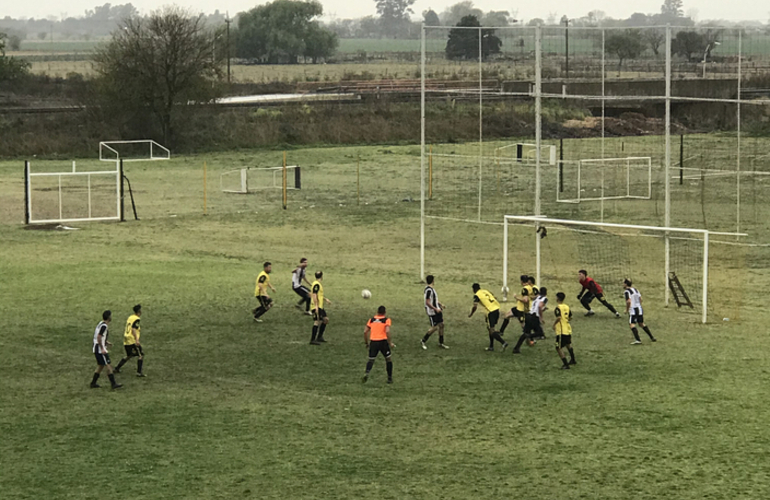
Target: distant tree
{"points": [[455, 13], [654, 38], [687, 43], [430, 18], [624, 45], [463, 44], [14, 42], [41, 35], [157, 64], [637, 19], [536, 22], [672, 8], [368, 27], [282, 32], [496, 19], [11, 68], [394, 15]]}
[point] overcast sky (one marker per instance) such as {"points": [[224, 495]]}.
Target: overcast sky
{"points": [[734, 10]]}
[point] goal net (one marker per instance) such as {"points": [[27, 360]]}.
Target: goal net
{"points": [[72, 196], [137, 150], [604, 179], [248, 180], [668, 265]]}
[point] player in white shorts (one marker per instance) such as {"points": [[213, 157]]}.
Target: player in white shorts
{"points": [[635, 311]]}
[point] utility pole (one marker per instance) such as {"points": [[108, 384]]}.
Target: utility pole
{"points": [[565, 20], [228, 21]]}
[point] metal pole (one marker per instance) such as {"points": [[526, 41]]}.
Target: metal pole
{"points": [[566, 41], [228, 21], [283, 182], [681, 159], [89, 195], [205, 189], [60, 209], [481, 123], [561, 165], [121, 193], [358, 180], [27, 194], [505, 258], [430, 174], [667, 169], [422, 151], [538, 135], [604, 58], [738, 165], [704, 317]]}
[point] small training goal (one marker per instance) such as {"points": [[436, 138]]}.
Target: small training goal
{"points": [[604, 179], [251, 179]]}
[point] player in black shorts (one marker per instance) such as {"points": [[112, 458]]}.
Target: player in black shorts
{"points": [[377, 338], [100, 351], [434, 310]]}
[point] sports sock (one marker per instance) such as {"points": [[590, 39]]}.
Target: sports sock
{"points": [[496, 336], [307, 304], [564, 360], [520, 341], [426, 337], [122, 362], [505, 325], [647, 330], [369, 365], [609, 306], [321, 330], [96, 377], [491, 341], [139, 365], [389, 367], [315, 332], [259, 311], [441, 339], [112, 379], [636, 334], [572, 354]]}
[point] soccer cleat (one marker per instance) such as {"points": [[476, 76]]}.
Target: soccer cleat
{"points": [[365, 378], [390, 380], [636, 342], [315, 342], [308, 313], [516, 351], [489, 349], [590, 313], [141, 375], [117, 386], [505, 346], [422, 343], [443, 346], [321, 340], [572, 362], [258, 320], [653, 339], [565, 367], [298, 306], [95, 386], [617, 314], [116, 370]]}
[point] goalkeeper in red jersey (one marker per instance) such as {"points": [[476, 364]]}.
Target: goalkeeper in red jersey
{"points": [[592, 290]]}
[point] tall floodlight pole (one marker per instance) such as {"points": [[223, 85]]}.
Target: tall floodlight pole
{"points": [[738, 117], [667, 168], [422, 151], [229, 47], [481, 119], [566, 46], [538, 133]]}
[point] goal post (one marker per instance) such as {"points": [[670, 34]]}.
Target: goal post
{"points": [[555, 249], [250, 179], [135, 150], [605, 179]]}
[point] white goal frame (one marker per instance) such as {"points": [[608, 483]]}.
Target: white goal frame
{"points": [[536, 222], [547, 153], [29, 179], [108, 153], [588, 163], [277, 183]]}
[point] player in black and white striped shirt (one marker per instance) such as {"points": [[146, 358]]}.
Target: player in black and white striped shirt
{"points": [[434, 310], [297, 277], [533, 328], [100, 351], [635, 311]]}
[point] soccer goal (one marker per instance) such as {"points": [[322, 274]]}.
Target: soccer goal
{"points": [[250, 179], [72, 196], [526, 153], [605, 179], [659, 260], [137, 150]]}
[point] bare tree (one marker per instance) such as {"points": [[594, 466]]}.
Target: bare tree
{"points": [[158, 63]]}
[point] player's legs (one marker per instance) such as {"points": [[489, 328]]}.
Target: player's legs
{"points": [[313, 340], [632, 325], [646, 329], [492, 319], [441, 336], [606, 304], [586, 302], [563, 358], [131, 352], [322, 328]]}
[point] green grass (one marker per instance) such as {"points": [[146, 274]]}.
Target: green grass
{"points": [[231, 408]]}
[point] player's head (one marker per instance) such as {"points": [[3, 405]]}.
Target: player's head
{"points": [[583, 274], [107, 316], [381, 310], [267, 266], [303, 262], [531, 280], [476, 287], [429, 279], [543, 291], [560, 297], [627, 283], [319, 275], [524, 279], [138, 309]]}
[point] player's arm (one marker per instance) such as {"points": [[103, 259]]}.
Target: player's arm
{"points": [[475, 305], [261, 285], [540, 308], [628, 301], [387, 335], [557, 313], [135, 332], [314, 298], [326, 299], [367, 333], [430, 305], [100, 339]]}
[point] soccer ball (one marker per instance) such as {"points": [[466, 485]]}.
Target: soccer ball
{"points": [[366, 294]]}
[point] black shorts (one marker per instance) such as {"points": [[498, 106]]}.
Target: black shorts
{"points": [[636, 319], [264, 301], [436, 319], [302, 292], [321, 314], [492, 318], [102, 359], [517, 314], [379, 346], [532, 326], [589, 296], [563, 340], [134, 350]]}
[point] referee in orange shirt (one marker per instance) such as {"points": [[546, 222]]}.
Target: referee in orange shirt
{"points": [[377, 338]]}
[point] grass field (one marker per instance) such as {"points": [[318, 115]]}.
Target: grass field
{"points": [[231, 408]]}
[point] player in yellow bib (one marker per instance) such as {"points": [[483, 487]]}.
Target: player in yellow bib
{"points": [[131, 342], [492, 307], [563, 331], [523, 301], [263, 283], [320, 320]]}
